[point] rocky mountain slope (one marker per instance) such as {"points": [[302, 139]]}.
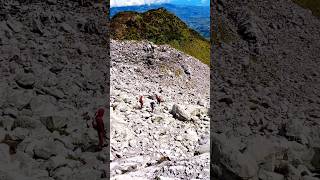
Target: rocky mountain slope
{"points": [[265, 91], [161, 27], [173, 141], [53, 77]]}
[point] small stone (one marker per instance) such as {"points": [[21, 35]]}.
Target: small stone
{"points": [[20, 98], [245, 61], [37, 27], [81, 48], [244, 130], [43, 105], [132, 143], [4, 153], [205, 148], [66, 27], [16, 26], [52, 2], [102, 157], [226, 100], [201, 102], [54, 122], [112, 157], [7, 123], [25, 80], [186, 69], [10, 112], [57, 161], [266, 175], [54, 92], [56, 68], [192, 135], [44, 149], [179, 138], [119, 155], [62, 173], [19, 134], [26, 122]]}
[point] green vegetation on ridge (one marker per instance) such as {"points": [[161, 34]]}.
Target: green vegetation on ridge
{"points": [[161, 27]]}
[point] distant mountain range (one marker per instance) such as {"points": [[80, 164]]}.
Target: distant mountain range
{"points": [[196, 17]]}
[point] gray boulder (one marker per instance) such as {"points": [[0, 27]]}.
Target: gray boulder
{"points": [[20, 98], [7, 122], [234, 164], [180, 113], [26, 122], [57, 161], [62, 173], [43, 105], [16, 26], [55, 122], [266, 175], [296, 131], [44, 149], [25, 80]]}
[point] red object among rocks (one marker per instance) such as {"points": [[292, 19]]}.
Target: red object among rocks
{"points": [[99, 126], [159, 100], [141, 101]]}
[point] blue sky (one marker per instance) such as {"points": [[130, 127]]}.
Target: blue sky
{"points": [[191, 2], [114, 3]]}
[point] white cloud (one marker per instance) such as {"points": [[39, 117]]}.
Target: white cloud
{"points": [[117, 3], [204, 1]]}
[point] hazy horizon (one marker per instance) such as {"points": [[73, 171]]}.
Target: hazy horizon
{"points": [[124, 3]]}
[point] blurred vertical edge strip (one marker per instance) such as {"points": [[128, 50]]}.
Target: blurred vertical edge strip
{"points": [[106, 9], [214, 58], [108, 87]]}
